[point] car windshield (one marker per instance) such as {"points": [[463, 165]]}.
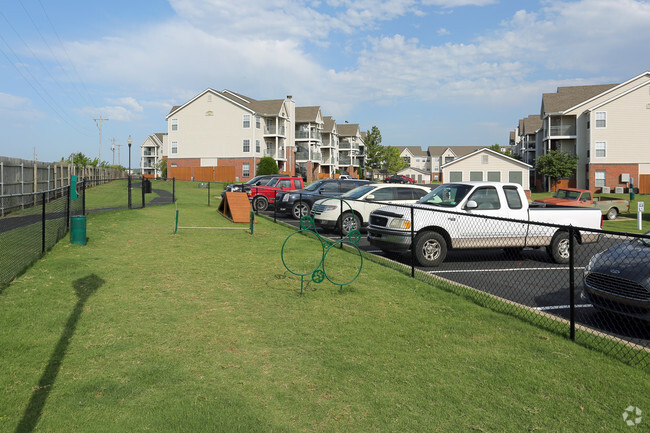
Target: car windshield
{"points": [[314, 186], [358, 192], [644, 242], [254, 180], [446, 195], [568, 195]]}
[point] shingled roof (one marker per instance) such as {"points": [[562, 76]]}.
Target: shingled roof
{"points": [[328, 123], [458, 150], [348, 129], [415, 150], [567, 97], [531, 124], [307, 114]]}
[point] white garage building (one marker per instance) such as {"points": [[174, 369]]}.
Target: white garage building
{"points": [[487, 165]]}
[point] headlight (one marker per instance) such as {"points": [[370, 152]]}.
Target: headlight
{"points": [[285, 198], [400, 223], [327, 207], [592, 262]]}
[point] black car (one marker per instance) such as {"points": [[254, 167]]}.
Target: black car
{"points": [[298, 203], [618, 279], [245, 187]]}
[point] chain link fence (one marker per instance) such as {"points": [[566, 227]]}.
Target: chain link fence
{"points": [[587, 284]]}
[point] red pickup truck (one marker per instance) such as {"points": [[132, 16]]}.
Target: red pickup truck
{"points": [[610, 207], [262, 196]]}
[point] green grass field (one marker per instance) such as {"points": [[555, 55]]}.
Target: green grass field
{"points": [[144, 330]]}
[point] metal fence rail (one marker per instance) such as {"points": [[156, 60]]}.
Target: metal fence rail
{"points": [[598, 296]]}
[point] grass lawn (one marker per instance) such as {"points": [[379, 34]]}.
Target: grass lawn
{"points": [[144, 330]]}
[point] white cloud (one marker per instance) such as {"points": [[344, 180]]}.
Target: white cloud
{"points": [[17, 108], [458, 3], [443, 32]]}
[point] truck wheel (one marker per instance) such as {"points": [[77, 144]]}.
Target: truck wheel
{"points": [[300, 209], [260, 203], [348, 222], [612, 214], [430, 248], [559, 248]]}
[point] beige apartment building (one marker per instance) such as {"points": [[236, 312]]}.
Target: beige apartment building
{"points": [[606, 126], [226, 129]]}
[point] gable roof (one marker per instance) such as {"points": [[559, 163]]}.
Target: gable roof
{"points": [[415, 150], [271, 107], [348, 129], [531, 124], [457, 150], [329, 124], [492, 152], [567, 97], [307, 114], [160, 135]]}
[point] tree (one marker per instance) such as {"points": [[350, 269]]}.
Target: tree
{"points": [[374, 151], [393, 162], [497, 148], [267, 165], [161, 167], [556, 164]]}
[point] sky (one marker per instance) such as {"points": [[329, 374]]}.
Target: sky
{"points": [[425, 72]]}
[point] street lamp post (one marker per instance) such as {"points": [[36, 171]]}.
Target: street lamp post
{"points": [[130, 142]]}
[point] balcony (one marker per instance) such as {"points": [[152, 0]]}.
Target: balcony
{"points": [[562, 127], [272, 130], [344, 145], [302, 155], [316, 156]]}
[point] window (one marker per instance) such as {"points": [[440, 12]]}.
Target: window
{"points": [[246, 122], [246, 147], [515, 177], [174, 164], [284, 184], [448, 159], [600, 178], [601, 149], [174, 146], [330, 188], [383, 194], [476, 176], [486, 198], [258, 122], [455, 176], [174, 124], [494, 176], [257, 146], [601, 119], [245, 169], [512, 197], [436, 168], [407, 160], [484, 159], [296, 184]]}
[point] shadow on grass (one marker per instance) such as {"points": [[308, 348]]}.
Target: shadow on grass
{"points": [[83, 288]]}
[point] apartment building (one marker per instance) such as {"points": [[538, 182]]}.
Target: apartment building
{"points": [[415, 157], [151, 154], [216, 129], [309, 124], [227, 129], [351, 149], [441, 155], [606, 126]]}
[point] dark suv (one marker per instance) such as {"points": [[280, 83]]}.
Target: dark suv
{"points": [[298, 203]]}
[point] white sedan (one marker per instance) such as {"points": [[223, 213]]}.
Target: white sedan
{"points": [[352, 210]]}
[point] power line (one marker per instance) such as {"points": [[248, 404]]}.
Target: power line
{"points": [[100, 119]]}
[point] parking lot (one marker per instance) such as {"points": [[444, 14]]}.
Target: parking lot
{"points": [[529, 278]]}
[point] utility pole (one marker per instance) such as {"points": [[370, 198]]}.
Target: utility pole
{"points": [[119, 159], [113, 149], [99, 125]]}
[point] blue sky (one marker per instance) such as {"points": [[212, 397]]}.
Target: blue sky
{"points": [[426, 72]]}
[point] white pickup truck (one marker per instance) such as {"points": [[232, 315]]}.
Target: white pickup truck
{"points": [[452, 216]]}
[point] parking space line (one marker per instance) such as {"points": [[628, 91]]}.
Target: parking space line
{"points": [[562, 307], [464, 271]]}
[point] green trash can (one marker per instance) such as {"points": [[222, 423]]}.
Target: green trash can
{"points": [[78, 230]]}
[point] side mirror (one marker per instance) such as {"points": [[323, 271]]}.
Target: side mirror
{"points": [[370, 197], [471, 205]]}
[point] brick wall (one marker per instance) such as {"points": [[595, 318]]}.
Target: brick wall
{"points": [[612, 175]]}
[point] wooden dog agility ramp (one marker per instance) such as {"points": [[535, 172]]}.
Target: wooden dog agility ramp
{"points": [[236, 207]]}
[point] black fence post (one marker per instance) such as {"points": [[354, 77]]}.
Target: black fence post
{"points": [[572, 303], [341, 220], [208, 194], [83, 197], [43, 224], [275, 204], [412, 243], [142, 189], [129, 187]]}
